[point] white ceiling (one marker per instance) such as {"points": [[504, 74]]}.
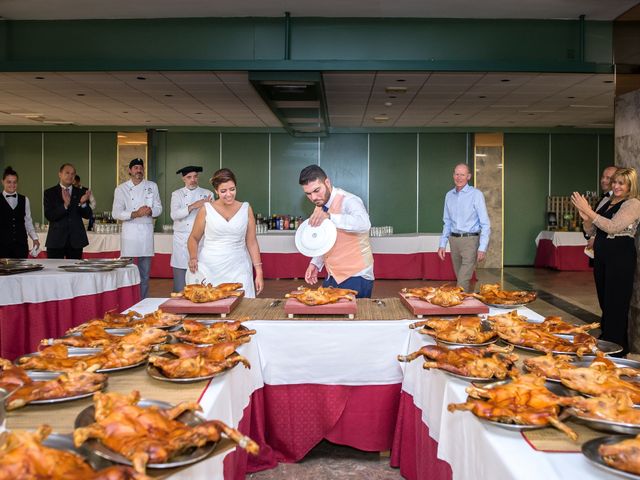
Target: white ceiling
{"points": [[227, 99], [85, 9]]}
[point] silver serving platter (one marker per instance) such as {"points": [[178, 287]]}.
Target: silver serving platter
{"points": [[12, 261], [604, 346], [20, 268], [465, 378], [106, 261], [80, 351], [621, 362], [86, 418], [590, 451], [44, 376], [607, 425], [483, 344], [118, 332], [508, 307], [87, 268], [211, 322], [72, 352], [157, 374], [556, 388], [64, 442]]}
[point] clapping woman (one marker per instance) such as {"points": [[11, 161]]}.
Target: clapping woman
{"points": [[614, 226]]}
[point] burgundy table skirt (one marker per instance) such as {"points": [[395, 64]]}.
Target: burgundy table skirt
{"points": [[418, 266], [414, 451], [427, 266], [23, 326], [567, 258], [287, 421]]}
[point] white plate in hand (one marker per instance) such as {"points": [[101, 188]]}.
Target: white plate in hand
{"points": [[316, 241], [201, 275]]}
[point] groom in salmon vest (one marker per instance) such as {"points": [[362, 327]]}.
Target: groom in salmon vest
{"points": [[350, 262]]}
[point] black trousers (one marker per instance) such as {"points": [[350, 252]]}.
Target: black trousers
{"points": [[614, 266], [66, 252], [14, 250]]}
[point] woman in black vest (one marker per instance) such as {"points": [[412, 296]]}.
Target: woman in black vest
{"points": [[15, 219]]}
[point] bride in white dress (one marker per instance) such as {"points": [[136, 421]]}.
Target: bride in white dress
{"points": [[230, 249]]}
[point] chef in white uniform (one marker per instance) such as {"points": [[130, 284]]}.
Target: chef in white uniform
{"points": [[136, 203], [185, 203]]}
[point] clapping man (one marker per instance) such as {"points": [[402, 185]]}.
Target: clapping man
{"points": [[65, 206]]}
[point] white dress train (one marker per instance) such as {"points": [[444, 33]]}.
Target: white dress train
{"points": [[224, 253]]}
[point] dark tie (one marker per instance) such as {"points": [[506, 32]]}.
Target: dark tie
{"points": [[325, 209], [14, 195]]}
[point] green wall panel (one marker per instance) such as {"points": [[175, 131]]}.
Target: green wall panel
{"points": [[606, 150], [439, 153], [344, 158], [526, 183], [574, 163], [62, 148], [23, 151], [392, 181], [179, 150], [247, 155], [289, 155], [245, 43], [104, 157]]}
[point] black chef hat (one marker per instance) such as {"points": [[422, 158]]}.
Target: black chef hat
{"points": [[187, 170], [136, 161]]}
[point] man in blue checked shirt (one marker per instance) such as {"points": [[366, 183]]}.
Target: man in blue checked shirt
{"points": [[466, 226]]}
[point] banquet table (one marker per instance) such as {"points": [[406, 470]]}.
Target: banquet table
{"points": [[561, 251], [340, 380], [402, 256], [45, 303]]}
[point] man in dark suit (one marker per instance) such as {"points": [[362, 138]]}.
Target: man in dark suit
{"points": [[65, 206]]}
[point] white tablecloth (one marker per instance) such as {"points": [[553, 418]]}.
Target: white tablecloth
{"points": [[364, 353], [475, 449], [563, 239], [53, 283], [276, 242]]}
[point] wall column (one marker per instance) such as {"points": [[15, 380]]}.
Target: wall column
{"points": [[488, 158], [627, 144]]}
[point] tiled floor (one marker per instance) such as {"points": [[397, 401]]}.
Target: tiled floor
{"points": [[570, 295]]}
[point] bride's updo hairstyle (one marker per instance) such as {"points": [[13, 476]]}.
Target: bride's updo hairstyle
{"points": [[221, 176]]}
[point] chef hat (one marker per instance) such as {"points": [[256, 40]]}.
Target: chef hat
{"points": [[136, 161], [187, 170]]}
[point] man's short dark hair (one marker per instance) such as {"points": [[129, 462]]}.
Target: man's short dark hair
{"points": [[76, 178], [66, 165], [312, 173]]}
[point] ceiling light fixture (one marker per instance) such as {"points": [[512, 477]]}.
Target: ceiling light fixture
{"points": [[577, 105], [380, 118], [395, 89], [28, 115], [141, 78], [39, 78], [388, 104]]}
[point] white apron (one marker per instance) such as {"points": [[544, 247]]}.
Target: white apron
{"points": [[136, 238], [183, 221]]}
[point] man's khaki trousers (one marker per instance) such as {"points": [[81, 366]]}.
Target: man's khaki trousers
{"points": [[464, 255]]}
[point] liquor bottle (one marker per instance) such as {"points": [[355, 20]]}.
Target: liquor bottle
{"points": [[286, 222]]}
